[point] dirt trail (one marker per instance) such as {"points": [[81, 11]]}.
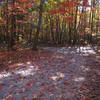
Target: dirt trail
{"points": [[60, 74]]}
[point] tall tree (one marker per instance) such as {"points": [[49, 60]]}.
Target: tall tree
{"points": [[35, 40]]}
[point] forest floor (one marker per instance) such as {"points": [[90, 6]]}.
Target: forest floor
{"points": [[63, 73]]}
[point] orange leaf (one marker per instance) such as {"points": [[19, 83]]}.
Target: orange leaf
{"points": [[84, 97]]}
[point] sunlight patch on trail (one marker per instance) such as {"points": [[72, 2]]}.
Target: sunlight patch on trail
{"points": [[30, 70], [28, 62], [84, 50], [85, 68], [79, 79], [25, 72], [20, 64], [17, 65], [57, 76], [20, 68], [54, 78], [4, 74], [59, 57]]}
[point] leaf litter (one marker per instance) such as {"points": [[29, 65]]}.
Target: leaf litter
{"points": [[49, 74]]}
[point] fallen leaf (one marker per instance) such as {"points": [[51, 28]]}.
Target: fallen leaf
{"points": [[84, 97]]}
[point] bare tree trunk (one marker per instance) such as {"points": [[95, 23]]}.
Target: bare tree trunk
{"points": [[51, 28], [7, 36], [35, 39], [13, 27]]}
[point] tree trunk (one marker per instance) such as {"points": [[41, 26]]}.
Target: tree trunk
{"points": [[35, 39]]}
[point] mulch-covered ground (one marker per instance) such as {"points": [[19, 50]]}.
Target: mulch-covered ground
{"points": [[50, 73]]}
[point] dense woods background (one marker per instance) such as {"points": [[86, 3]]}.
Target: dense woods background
{"points": [[51, 22]]}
